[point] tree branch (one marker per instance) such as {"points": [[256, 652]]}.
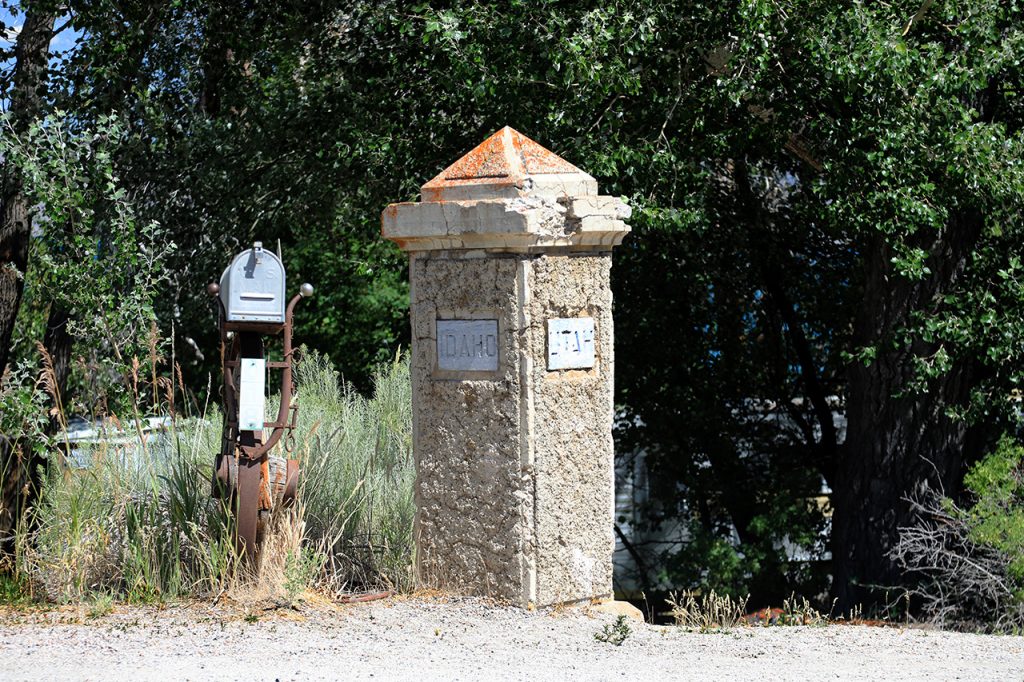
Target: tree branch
{"points": [[641, 566], [772, 274]]}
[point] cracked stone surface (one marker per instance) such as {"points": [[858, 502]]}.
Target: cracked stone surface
{"points": [[514, 467]]}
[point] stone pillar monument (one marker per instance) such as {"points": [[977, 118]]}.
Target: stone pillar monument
{"points": [[512, 365]]}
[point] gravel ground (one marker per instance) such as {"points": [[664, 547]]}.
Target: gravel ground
{"points": [[417, 639]]}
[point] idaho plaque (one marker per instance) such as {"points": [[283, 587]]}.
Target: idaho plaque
{"points": [[467, 345]]}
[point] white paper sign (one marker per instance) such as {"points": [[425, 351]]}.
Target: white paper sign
{"points": [[571, 343], [467, 345], [251, 398]]}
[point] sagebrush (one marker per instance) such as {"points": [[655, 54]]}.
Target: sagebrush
{"points": [[133, 518]]}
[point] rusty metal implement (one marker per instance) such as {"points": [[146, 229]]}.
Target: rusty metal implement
{"points": [[251, 307]]}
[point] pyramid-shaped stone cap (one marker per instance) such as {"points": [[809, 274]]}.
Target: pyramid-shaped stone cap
{"points": [[507, 165], [508, 195]]}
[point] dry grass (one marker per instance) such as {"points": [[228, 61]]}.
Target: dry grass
{"points": [[706, 612], [289, 564], [357, 475], [712, 612], [137, 524]]}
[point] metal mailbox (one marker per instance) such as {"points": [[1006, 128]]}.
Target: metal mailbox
{"points": [[252, 288]]}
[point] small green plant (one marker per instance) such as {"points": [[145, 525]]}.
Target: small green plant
{"points": [[101, 605], [300, 569], [14, 590], [251, 618], [614, 633], [798, 611], [706, 612]]}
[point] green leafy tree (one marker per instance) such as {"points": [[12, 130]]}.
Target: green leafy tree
{"points": [[858, 166], [95, 257], [826, 196]]}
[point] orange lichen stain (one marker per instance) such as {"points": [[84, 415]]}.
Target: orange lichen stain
{"points": [[539, 160], [505, 158], [486, 160], [390, 213]]}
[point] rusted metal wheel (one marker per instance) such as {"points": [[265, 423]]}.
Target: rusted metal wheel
{"points": [[225, 476], [247, 509], [291, 486]]}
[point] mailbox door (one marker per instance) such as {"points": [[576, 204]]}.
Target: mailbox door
{"points": [[253, 288]]}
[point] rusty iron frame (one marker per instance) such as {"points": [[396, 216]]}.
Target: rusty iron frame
{"points": [[242, 471]]}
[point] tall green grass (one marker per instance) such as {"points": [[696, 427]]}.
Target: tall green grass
{"points": [[357, 473], [138, 522]]}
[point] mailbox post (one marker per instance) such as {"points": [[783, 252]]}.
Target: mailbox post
{"points": [[512, 365], [251, 304]]}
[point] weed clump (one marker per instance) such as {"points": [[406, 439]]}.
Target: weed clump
{"points": [[614, 633], [357, 476], [706, 612], [132, 523]]}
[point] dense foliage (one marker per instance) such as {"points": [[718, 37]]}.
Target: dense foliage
{"points": [[997, 515], [827, 223]]}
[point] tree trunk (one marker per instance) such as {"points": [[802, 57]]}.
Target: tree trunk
{"points": [[897, 438], [30, 75], [30, 71], [14, 236], [216, 57], [58, 343]]}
